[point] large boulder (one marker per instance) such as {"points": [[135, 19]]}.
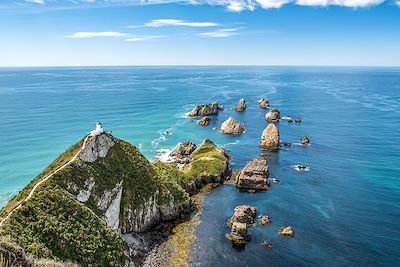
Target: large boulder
{"points": [[263, 103], [182, 154], [273, 116], [241, 105], [254, 175], [205, 121], [242, 218], [205, 110], [270, 138], [232, 126]]}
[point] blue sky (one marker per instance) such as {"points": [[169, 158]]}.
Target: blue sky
{"points": [[198, 32]]}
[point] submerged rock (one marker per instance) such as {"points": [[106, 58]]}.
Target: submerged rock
{"points": [[205, 121], [286, 231], [266, 245], [254, 175], [232, 126], [298, 120], [273, 116], [304, 140], [270, 137], [182, 154], [241, 105], [263, 103], [205, 110]]}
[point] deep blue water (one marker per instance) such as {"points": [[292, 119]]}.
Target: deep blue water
{"points": [[345, 211]]}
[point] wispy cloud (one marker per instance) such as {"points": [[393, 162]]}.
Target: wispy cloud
{"points": [[220, 33], [40, 2], [178, 22], [344, 3], [96, 34], [142, 38]]}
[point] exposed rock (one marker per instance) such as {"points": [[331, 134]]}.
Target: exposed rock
{"points": [[263, 103], [273, 116], [286, 231], [270, 137], [205, 110], [182, 154], [304, 140], [232, 126], [263, 220], [205, 121], [254, 175], [98, 146], [266, 245], [241, 105], [84, 194], [242, 218], [298, 120], [301, 168], [289, 120], [275, 181], [287, 144]]}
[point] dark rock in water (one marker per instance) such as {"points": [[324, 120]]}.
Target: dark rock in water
{"points": [[242, 218], [232, 126], [301, 168], [205, 121], [286, 231], [287, 144], [241, 105], [304, 140], [270, 138], [289, 120], [273, 116], [254, 175], [206, 110], [182, 154], [266, 245], [263, 103], [276, 181], [298, 120]]}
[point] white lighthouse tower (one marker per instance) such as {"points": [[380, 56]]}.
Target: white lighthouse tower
{"points": [[99, 129]]}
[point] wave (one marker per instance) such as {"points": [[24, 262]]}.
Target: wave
{"points": [[163, 155]]}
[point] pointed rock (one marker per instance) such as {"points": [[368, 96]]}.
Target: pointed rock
{"points": [[241, 105], [273, 116], [232, 126], [270, 138]]}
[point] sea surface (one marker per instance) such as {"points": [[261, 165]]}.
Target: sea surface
{"points": [[345, 210]]}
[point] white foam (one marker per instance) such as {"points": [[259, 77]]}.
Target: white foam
{"points": [[163, 155], [296, 167]]}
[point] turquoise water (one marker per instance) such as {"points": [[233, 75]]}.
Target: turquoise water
{"points": [[345, 211]]}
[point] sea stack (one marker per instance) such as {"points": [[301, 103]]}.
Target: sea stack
{"points": [[241, 105], [205, 110], [273, 116], [232, 126], [243, 217], [254, 175], [263, 103], [270, 137], [182, 154], [205, 121]]}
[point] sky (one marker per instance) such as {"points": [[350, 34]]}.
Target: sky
{"points": [[199, 32]]}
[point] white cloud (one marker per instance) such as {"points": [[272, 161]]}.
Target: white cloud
{"points": [[141, 38], [272, 3], [40, 2], [344, 3], [96, 34], [177, 22], [220, 33], [398, 3]]}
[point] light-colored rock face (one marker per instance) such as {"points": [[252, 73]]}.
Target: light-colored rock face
{"points": [[182, 154], [254, 175], [205, 110], [263, 103], [112, 213], [273, 116], [232, 126], [108, 196], [84, 194], [97, 147], [270, 138], [241, 105]]}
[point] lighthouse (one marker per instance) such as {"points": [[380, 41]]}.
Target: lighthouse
{"points": [[99, 130]]}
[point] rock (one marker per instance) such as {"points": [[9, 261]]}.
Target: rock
{"points": [[263, 103], [182, 154], [243, 214], [275, 181], [273, 116], [263, 220], [254, 175], [97, 147], [289, 120], [241, 105], [205, 110], [232, 126], [298, 120], [304, 140], [286, 231], [287, 144], [270, 137], [301, 168], [204, 121], [266, 244], [242, 218]]}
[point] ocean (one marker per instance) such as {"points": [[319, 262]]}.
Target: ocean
{"points": [[345, 210]]}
